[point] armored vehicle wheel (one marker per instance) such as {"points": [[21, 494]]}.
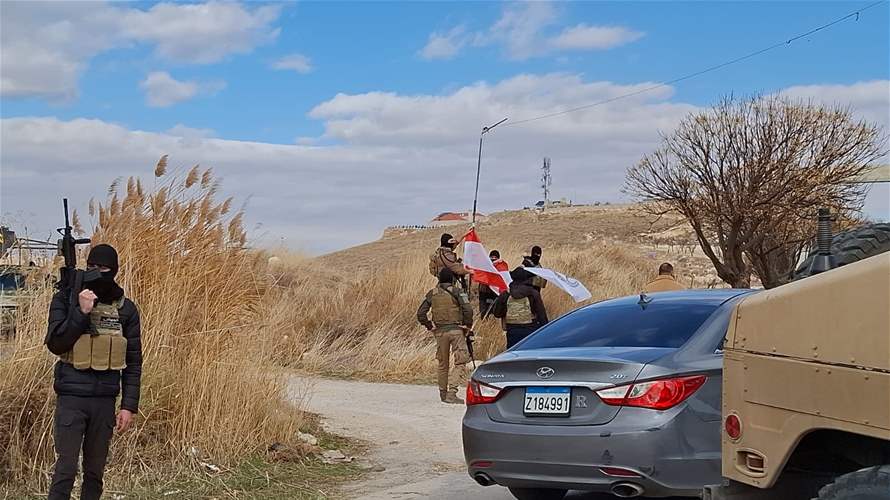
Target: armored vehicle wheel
{"points": [[538, 494], [853, 245], [866, 484]]}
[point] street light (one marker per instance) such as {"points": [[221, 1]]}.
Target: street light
{"points": [[479, 165]]}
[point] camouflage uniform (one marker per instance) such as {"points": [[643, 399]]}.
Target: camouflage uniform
{"points": [[446, 258], [452, 314]]}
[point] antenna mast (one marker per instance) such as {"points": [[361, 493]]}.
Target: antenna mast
{"points": [[546, 181]]}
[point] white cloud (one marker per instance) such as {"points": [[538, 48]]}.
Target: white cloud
{"points": [[525, 30], [306, 141], [180, 130], [520, 27], [201, 33], [44, 50], [584, 37], [391, 155], [871, 100], [162, 90], [445, 45], [294, 62]]}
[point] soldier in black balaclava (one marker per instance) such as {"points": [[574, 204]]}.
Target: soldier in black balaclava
{"points": [[520, 308], [96, 335], [445, 257], [533, 259]]}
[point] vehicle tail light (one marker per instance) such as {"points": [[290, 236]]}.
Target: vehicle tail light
{"points": [[480, 394], [655, 394], [733, 426]]}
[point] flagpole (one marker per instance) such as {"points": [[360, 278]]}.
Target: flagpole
{"points": [[479, 165]]}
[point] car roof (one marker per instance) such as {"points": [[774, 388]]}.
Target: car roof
{"points": [[713, 296]]}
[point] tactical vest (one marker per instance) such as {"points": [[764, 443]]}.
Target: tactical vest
{"points": [[437, 261], [519, 311], [435, 265], [445, 307], [104, 346]]}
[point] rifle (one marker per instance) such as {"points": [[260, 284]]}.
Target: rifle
{"points": [[470, 338], [69, 277], [71, 280]]}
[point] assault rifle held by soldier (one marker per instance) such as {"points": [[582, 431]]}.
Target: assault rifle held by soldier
{"points": [[95, 332]]}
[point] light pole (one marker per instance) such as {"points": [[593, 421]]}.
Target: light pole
{"points": [[479, 165]]}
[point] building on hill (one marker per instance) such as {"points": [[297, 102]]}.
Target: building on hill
{"points": [[455, 218]]}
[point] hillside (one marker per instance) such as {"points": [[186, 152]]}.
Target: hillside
{"points": [[573, 228]]}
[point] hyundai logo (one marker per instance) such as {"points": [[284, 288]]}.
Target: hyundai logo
{"points": [[545, 372]]}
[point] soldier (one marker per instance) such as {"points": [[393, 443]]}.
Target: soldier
{"points": [[97, 339], [452, 317], [521, 309], [665, 282], [444, 257], [534, 260]]}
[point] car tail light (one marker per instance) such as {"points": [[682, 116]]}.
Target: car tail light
{"points": [[480, 394], [733, 427], [655, 394]]}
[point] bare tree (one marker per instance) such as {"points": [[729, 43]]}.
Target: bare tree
{"points": [[749, 174]]}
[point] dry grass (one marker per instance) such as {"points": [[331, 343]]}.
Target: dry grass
{"points": [[201, 296], [216, 317], [364, 324]]}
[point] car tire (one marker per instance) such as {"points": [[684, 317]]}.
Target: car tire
{"points": [[852, 245], [538, 493], [872, 483]]}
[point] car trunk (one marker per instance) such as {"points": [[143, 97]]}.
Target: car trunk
{"points": [[582, 370]]}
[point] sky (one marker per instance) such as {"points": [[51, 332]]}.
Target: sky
{"points": [[330, 121]]}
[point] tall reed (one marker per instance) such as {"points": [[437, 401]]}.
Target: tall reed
{"points": [[206, 388]]}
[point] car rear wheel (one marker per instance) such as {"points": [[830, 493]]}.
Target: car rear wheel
{"points": [[866, 484], [538, 493]]}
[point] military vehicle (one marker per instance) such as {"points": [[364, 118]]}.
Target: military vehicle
{"points": [[18, 275], [806, 379], [12, 282]]}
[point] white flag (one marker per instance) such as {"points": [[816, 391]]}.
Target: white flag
{"points": [[571, 286]]}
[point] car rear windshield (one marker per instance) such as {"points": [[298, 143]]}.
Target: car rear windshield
{"points": [[623, 325]]}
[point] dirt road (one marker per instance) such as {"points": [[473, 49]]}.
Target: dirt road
{"points": [[415, 440]]}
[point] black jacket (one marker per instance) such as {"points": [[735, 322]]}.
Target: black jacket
{"points": [[520, 291], [66, 324]]}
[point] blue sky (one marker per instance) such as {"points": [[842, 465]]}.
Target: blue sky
{"points": [[210, 76]]}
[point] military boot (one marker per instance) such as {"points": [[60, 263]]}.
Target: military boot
{"points": [[451, 398]]}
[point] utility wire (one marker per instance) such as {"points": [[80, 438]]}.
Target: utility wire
{"points": [[701, 72]]}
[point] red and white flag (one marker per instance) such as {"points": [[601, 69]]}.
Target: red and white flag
{"points": [[476, 259]]}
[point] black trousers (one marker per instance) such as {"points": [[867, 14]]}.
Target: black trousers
{"points": [[515, 333], [81, 423]]}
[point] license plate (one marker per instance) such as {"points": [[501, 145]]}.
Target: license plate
{"points": [[547, 401]]}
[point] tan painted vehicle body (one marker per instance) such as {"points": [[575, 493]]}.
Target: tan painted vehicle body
{"points": [[810, 356]]}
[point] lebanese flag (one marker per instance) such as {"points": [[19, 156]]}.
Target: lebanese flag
{"points": [[476, 259]]}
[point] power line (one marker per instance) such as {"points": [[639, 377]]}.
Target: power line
{"points": [[701, 72]]}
